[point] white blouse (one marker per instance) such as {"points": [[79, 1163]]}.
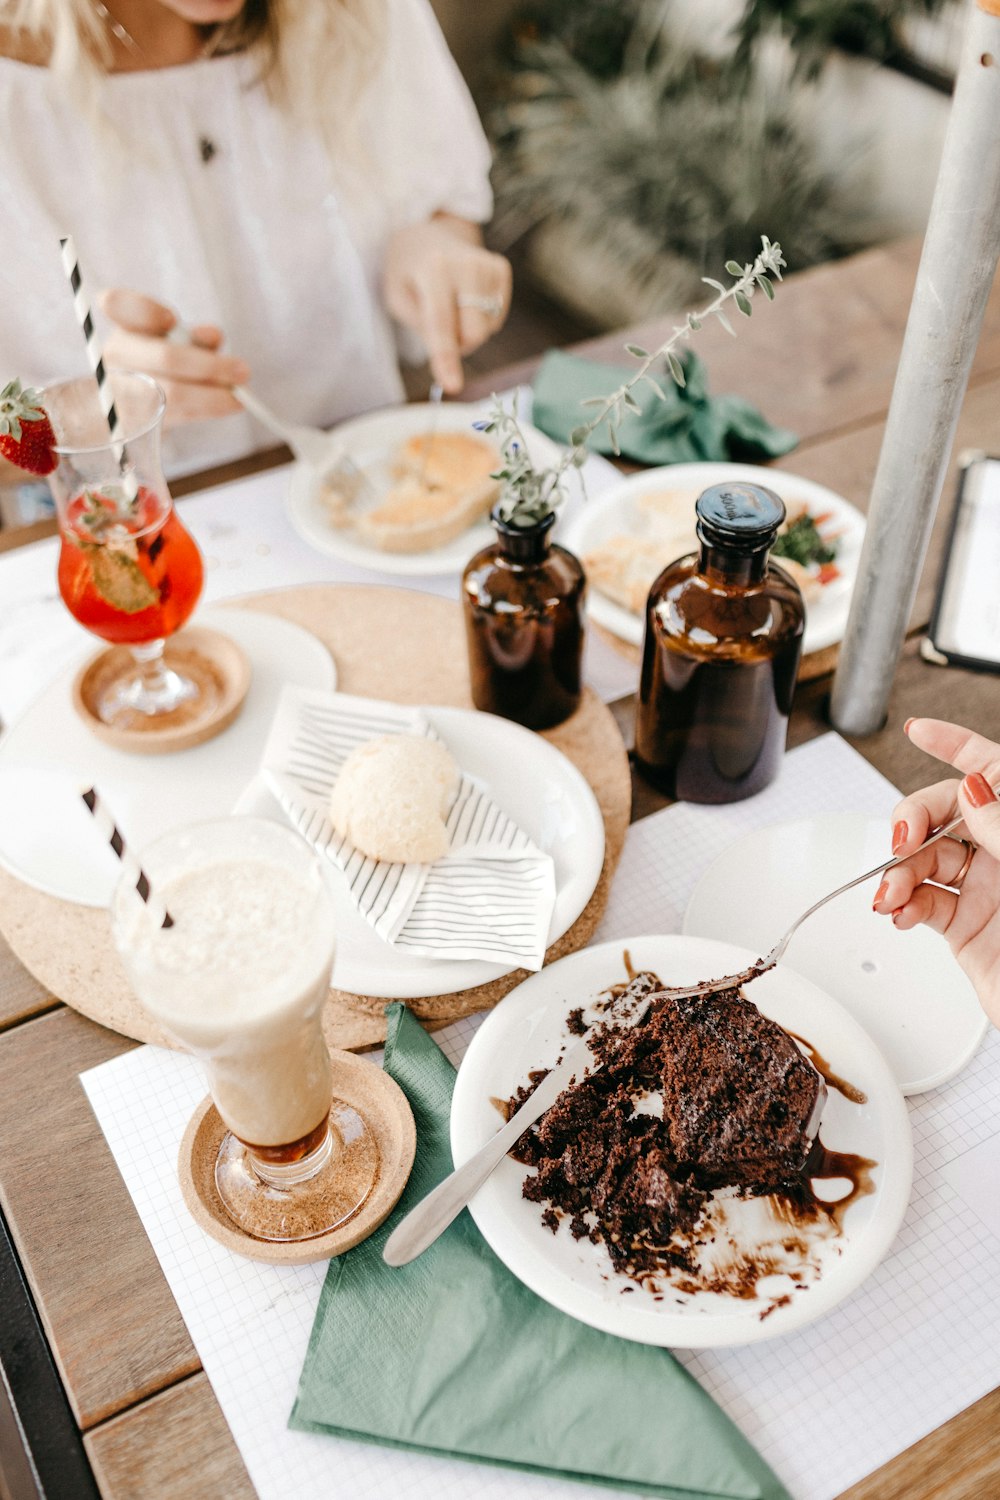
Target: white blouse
{"points": [[230, 215]]}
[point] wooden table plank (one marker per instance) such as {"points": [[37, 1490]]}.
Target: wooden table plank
{"points": [[821, 358], [177, 1444], [113, 1326], [21, 995]]}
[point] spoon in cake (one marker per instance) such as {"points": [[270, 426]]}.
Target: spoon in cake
{"points": [[777, 953]]}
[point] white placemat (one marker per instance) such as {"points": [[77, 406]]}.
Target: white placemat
{"points": [[916, 1344]]}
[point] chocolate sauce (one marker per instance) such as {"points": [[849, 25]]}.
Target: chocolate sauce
{"points": [[819, 1062]]}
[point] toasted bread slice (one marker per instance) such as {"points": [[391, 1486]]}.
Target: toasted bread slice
{"points": [[447, 460], [414, 517]]}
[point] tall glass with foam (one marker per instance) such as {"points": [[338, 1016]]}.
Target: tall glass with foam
{"points": [[240, 980]]}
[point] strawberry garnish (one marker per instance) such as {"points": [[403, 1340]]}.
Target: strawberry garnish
{"points": [[26, 436]]}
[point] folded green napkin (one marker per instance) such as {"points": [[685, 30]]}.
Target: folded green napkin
{"points": [[688, 426], [452, 1355]]}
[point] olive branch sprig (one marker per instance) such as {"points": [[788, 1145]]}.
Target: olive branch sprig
{"points": [[529, 494]]}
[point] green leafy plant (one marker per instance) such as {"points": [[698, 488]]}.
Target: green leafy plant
{"points": [[529, 494], [630, 185], [814, 28]]}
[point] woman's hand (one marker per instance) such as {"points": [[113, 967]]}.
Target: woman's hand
{"points": [[970, 918], [196, 379], [442, 283]]}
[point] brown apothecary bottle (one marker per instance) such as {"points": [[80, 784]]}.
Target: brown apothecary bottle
{"points": [[523, 600], [723, 637]]}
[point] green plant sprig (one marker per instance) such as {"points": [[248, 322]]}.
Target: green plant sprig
{"points": [[529, 494]]}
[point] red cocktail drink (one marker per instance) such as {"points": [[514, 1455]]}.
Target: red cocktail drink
{"points": [[128, 572]]}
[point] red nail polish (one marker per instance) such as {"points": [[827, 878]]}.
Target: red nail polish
{"points": [[978, 790], [879, 894], [900, 833], [906, 726]]}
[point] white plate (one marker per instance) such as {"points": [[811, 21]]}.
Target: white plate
{"points": [[540, 789], [372, 438], [904, 988], [526, 1031], [615, 512], [48, 755]]}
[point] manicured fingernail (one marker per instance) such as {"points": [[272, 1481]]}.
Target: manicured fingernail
{"points": [[896, 916], [880, 894], [900, 833], [978, 790], [906, 726]]}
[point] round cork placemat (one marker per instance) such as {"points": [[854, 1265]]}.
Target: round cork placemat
{"points": [[217, 665], [388, 643], [386, 1111]]}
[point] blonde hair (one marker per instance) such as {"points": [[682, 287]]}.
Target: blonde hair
{"points": [[314, 57]]}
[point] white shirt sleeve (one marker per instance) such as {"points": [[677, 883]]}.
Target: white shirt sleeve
{"points": [[422, 128]]}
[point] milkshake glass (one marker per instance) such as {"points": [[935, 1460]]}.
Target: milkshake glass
{"points": [[240, 979]]}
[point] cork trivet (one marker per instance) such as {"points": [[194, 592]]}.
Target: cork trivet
{"points": [[387, 643], [816, 664], [217, 665], [384, 1106]]}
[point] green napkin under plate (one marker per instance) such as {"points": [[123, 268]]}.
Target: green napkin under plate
{"points": [[451, 1355], [688, 426]]}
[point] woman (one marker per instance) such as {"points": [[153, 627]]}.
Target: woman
{"points": [[284, 177], [968, 914]]}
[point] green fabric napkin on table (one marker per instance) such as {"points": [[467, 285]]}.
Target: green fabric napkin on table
{"points": [[689, 426], [452, 1355]]}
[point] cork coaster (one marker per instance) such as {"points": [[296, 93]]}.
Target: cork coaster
{"points": [[388, 643], [386, 1111], [216, 664]]}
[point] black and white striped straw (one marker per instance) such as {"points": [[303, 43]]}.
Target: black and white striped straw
{"points": [[95, 355], [131, 868]]}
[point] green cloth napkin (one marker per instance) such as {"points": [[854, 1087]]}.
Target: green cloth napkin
{"points": [[689, 426], [452, 1355]]}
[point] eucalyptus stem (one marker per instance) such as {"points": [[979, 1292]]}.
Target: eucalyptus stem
{"points": [[530, 494]]}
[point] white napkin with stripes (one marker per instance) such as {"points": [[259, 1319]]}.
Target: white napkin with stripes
{"points": [[490, 896]]}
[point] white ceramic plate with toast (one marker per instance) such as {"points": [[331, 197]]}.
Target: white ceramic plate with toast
{"points": [[636, 534], [539, 788], [377, 443], [528, 1030]]}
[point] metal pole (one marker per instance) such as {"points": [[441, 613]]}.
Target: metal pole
{"points": [[959, 259]]}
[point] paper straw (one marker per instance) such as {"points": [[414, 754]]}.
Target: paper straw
{"points": [[95, 355], [131, 867]]}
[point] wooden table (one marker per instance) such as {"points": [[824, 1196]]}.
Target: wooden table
{"points": [[820, 361]]}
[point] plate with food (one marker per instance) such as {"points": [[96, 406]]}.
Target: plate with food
{"points": [[415, 495], [682, 1193], [534, 785], [629, 535]]}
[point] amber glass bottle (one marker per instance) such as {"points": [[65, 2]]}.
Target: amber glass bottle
{"points": [[721, 650], [523, 599]]}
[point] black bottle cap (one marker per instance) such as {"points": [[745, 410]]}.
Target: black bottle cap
{"points": [[738, 514]]}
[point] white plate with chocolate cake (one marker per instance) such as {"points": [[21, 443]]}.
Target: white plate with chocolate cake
{"points": [[628, 535], [679, 1194], [419, 501]]}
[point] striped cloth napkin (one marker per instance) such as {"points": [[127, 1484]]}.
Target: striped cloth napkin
{"points": [[489, 897]]}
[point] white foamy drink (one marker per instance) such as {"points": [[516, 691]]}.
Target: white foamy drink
{"points": [[240, 980]]}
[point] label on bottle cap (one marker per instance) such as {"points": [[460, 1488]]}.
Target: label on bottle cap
{"points": [[739, 512]]}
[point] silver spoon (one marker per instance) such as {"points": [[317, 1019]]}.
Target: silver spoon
{"points": [[777, 953]]}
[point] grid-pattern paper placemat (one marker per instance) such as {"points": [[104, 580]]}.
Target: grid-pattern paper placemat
{"points": [[917, 1343]]}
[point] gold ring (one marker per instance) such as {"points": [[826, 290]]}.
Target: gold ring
{"points": [[970, 854], [492, 306]]}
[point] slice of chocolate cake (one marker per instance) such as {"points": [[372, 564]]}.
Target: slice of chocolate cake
{"points": [[738, 1095]]}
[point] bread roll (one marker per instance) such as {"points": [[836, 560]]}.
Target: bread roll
{"points": [[391, 798]]}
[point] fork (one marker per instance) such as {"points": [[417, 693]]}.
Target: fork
{"points": [[777, 953], [321, 450]]}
